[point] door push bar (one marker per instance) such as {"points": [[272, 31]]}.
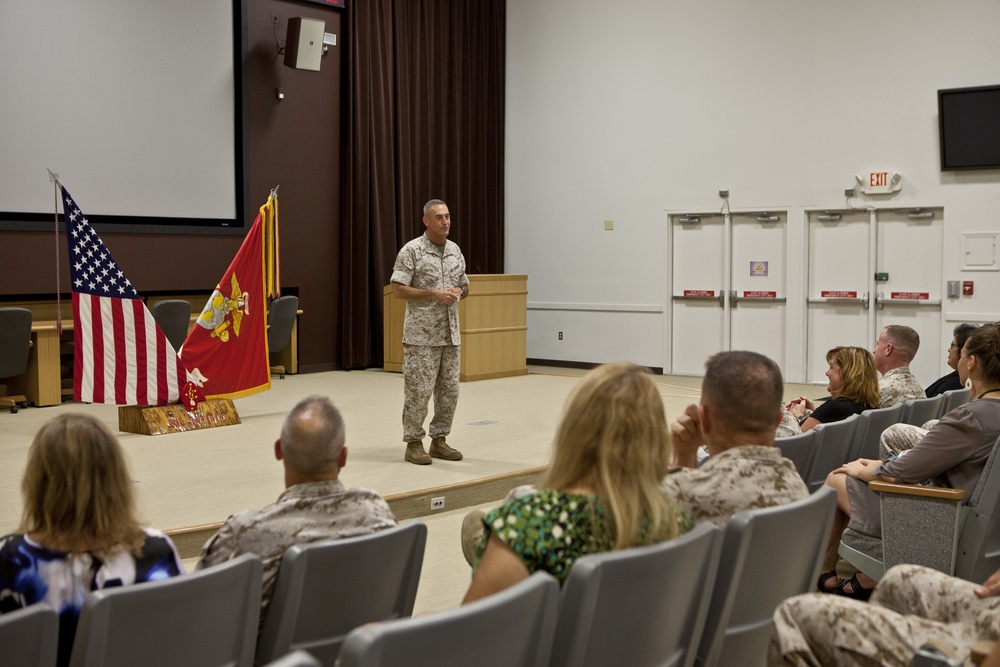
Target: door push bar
{"points": [[701, 297], [862, 300], [734, 297], [881, 300]]}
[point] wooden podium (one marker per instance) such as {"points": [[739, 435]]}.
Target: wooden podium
{"points": [[493, 321]]}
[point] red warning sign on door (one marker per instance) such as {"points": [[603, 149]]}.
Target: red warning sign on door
{"points": [[909, 296], [838, 294], [759, 294], [699, 292]]}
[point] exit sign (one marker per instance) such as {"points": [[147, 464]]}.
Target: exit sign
{"points": [[879, 182]]}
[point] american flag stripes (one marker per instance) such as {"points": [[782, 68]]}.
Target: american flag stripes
{"points": [[120, 355]]}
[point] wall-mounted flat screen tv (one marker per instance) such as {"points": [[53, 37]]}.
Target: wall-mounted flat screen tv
{"points": [[969, 120]]}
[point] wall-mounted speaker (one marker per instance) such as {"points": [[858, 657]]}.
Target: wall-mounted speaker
{"points": [[304, 43]]}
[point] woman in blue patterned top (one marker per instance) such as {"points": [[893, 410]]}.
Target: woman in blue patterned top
{"points": [[78, 528], [602, 492]]}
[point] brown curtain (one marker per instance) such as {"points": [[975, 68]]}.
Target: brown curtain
{"points": [[425, 120]]}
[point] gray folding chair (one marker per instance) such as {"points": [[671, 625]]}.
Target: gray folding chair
{"points": [[326, 589], [800, 449], [206, 618], [916, 411], [834, 450], [871, 423], [933, 527], [281, 316], [15, 344], [29, 636], [295, 659], [512, 628], [173, 316], [638, 607], [954, 398], [768, 555]]}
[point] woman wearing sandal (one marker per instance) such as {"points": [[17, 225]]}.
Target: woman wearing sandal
{"points": [[952, 455]]}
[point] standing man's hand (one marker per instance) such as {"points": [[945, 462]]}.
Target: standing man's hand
{"points": [[449, 295]]}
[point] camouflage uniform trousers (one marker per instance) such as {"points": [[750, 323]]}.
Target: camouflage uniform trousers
{"points": [[911, 606], [898, 438], [429, 370]]}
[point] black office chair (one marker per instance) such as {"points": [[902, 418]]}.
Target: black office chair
{"points": [[15, 342], [173, 316], [280, 320]]}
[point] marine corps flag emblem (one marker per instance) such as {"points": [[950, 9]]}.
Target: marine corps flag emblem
{"points": [[226, 352]]}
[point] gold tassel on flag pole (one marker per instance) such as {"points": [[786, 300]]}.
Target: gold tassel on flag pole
{"points": [[272, 245]]}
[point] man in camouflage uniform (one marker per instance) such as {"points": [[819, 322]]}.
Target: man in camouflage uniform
{"points": [[911, 606], [429, 274], [314, 506], [894, 350], [739, 412]]}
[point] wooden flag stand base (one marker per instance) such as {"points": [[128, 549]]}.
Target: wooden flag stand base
{"points": [[160, 419]]}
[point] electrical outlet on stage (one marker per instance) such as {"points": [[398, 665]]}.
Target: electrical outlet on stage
{"points": [[437, 503]]}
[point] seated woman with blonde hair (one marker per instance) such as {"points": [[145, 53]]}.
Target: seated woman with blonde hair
{"points": [[853, 387], [602, 491], [78, 528]]}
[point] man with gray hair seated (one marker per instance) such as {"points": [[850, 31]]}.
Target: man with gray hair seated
{"points": [[314, 506], [895, 348]]}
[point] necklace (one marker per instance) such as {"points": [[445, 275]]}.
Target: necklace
{"points": [[991, 391]]}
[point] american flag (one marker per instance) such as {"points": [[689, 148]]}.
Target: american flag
{"points": [[121, 356]]}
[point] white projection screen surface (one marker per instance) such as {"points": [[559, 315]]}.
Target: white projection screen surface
{"points": [[133, 104]]}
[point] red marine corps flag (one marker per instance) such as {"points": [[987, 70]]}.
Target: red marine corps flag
{"points": [[120, 356], [226, 352]]}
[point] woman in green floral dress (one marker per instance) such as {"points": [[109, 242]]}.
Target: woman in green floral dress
{"points": [[602, 492]]}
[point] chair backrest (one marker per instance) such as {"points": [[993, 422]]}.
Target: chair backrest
{"points": [[205, 618], [954, 398], [513, 628], [280, 318], [326, 589], [29, 636], [916, 411], [800, 449], [834, 450], [295, 659], [643, 606], [768, 555], [978, 552], [871, 423], [15, 341], [173, 316]]}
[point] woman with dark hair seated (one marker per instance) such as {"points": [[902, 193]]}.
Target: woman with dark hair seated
{"points": [[853, 389], [951, 380], [602, 492], [952, 454], [78, 528]]}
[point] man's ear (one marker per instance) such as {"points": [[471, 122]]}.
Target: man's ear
{"points": [[705, 417], [278, 454], [342, 458]]}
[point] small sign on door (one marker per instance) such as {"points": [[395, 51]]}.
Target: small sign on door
{"points": [[758, 268]]}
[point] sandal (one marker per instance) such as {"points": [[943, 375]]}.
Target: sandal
{"points": [[857, 592], [832, 574]]}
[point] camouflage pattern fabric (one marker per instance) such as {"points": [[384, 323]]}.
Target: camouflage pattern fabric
{"points": [[422, 265], [897, 438], [429, 370], [911, 606], [789, 425], [735, 480], [303, 513], [898, 386]]}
